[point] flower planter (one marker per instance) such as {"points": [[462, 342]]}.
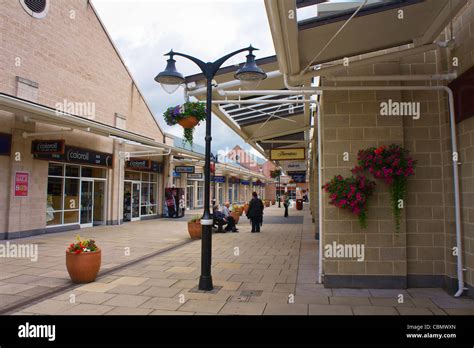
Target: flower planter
{"points": [[195, 230], [246, 208], [236, 216], [267, 203], [83, 267], [188, 122]]}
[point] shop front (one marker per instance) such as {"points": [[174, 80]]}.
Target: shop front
{"points": [[245, 186], [218, 183], [140, 189], [77, 183]]}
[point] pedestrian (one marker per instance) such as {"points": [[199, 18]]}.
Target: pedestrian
{"points": [[255, 212], [286, 204], [227, 217]]}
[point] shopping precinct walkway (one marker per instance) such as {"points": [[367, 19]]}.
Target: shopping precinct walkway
{"points": [[272, 272]]}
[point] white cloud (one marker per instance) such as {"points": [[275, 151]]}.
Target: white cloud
{"points": [[144, 30]]}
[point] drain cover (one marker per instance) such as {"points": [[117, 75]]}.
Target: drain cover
{"points": [[239, 299], [251, 293]]}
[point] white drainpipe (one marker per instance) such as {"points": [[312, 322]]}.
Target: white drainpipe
{"points": [[457, 203]]}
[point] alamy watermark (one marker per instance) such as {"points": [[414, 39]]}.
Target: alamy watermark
{"points": [[22, 251], [345, 251], [394, 108], [83, 109]]}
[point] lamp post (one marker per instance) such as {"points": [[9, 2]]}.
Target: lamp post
{"points": [[170, 79], [279, 190]]}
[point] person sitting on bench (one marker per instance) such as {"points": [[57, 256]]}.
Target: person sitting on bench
{"points": [[219, 220], [230, 220]]}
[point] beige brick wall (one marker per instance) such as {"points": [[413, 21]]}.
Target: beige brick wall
{"points": [[351, 121], [73, 60]]}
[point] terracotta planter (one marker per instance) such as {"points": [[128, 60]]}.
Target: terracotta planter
{"points": [[273, 202], [188, 122], [236, 216], [195, 230], [83, 267], [239, 211], [246, 208], [267, 203]]}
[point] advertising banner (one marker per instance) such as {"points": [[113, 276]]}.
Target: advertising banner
{"points": [[175, 204], [21, 184]]}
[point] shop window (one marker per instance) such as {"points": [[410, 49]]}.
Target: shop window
{"points": [[200, 193], [148, 195], [63, 198], [55, 193], [236, 193], [73, 171], [93, 172], [132, 176], [55, 169]]}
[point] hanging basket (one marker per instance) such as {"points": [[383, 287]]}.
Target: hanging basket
{"points": [[188, 122]]}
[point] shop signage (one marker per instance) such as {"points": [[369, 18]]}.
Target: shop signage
{"points": [[47, 147], [21, 184], [5, 144], [138, 164], [220, 179], [293, 166], [196, 176], [234, 180], [245, 182], [176, 175], [257, 183], [79, 156], [184, 169], [144, 165], [288, 154], [298, 177]]}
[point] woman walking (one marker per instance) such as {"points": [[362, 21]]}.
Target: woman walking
{"points": [[255, 212]]}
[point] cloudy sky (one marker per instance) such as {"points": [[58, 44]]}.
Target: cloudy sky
{"points": [[143, 30]]}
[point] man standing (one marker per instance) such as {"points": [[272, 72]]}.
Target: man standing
{"points": [[255, 212]]}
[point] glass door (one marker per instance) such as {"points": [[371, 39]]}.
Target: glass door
{"points": [[99, 203], [135, 200], [87, 203], [190, 197]]}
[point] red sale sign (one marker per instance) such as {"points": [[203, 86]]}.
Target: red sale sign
{"points": [[21, 184]]}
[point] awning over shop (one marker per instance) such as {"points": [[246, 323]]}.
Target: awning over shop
{"points": [[315, 36]]}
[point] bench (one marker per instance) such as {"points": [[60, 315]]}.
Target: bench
{"points": [[218, 223]]}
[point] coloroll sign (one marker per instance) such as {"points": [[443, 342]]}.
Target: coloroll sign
{"points": [[21, 184], [184, 169], [288, 154], [138, 164], [79, 156], [47, 147]]}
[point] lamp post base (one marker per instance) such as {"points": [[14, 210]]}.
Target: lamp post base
{"points": [[205, 283]]}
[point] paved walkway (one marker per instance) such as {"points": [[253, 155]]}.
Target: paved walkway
{"points": [[272, 272]]}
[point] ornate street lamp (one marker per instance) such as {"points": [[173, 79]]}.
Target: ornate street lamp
{"points": [[170, 79]]}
